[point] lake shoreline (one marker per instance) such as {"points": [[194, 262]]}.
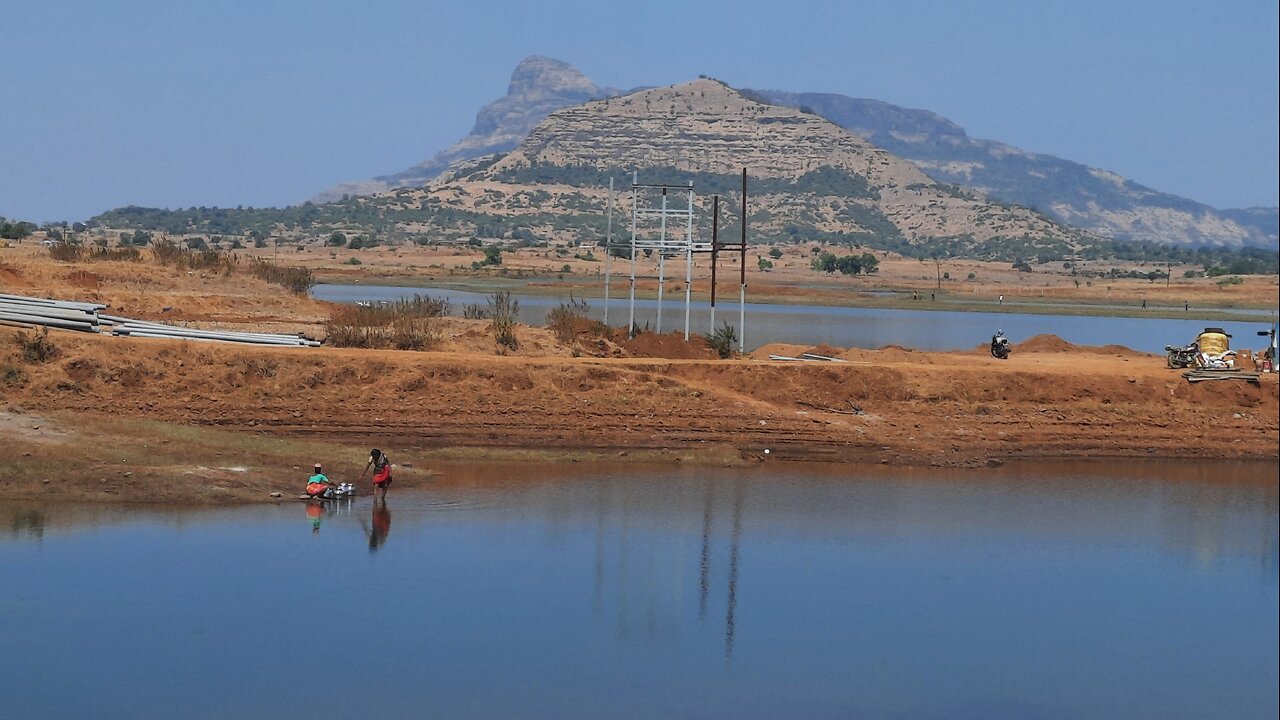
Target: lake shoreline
{"points": [[121, 420]]}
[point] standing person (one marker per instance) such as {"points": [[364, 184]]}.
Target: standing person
{"points": [[1001, 299], [381, 466]]}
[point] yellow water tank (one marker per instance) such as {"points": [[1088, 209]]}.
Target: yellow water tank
{"points": [[1214, 341]]}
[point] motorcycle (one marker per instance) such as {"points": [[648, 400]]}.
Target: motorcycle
{"points": [[1184, 356], [1000, 346]]}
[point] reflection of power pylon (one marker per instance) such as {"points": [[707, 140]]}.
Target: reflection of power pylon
{"points": [[730, 613], [706, 550]]}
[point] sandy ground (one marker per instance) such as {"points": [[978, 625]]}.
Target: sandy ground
{"points": [[170, 421]]}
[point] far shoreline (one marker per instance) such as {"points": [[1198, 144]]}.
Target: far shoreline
{"points": [[869, 298]]}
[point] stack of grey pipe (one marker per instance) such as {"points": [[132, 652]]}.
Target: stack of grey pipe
{"points": [[85, 317], [50, 313]]}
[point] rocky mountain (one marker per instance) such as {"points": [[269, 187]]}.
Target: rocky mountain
{"points": [[1097, 200], [810, 178], [538, 86]]}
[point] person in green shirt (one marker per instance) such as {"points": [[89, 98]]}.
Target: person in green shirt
{"points": [[319, 486]]}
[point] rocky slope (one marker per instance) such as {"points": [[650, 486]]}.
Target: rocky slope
{"points": [[1097, 200], [811, 178], [539, 85], [1093, 199]]}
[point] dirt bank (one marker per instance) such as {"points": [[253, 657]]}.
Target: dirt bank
{"points": [[203, 408], [110, 418]]}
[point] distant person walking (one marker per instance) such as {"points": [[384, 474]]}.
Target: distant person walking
{"points": [[1001, 299], [1186, 306], [381, 466]]}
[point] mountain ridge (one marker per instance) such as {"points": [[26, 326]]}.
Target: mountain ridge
{"points": [[1092, 199]]}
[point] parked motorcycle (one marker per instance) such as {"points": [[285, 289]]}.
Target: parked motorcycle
{"points": [[1000, 346], [1184, 356]]}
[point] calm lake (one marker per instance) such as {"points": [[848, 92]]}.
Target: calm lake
{"points": [[1129, 589], [850, 326]]}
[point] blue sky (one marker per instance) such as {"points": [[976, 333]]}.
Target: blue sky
{"points": [[172, 104]]}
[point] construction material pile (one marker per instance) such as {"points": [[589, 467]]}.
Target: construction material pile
{"points": [[1202, 374], [86, 317], [62, 314]]}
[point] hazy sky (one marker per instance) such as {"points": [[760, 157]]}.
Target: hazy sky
{"points": [[172, 104]]}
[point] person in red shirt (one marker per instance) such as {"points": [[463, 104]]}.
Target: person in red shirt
{"points": [[381, 466]]}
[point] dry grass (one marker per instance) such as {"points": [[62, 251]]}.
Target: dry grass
{"points": [[412, 324]]}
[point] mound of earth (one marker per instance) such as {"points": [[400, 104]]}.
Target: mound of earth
{"points": [[1054, 344], [1045, 344], [669, 345]]}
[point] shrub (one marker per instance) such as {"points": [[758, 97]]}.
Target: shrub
{"points": [[12, 375], [403, 325], [502, 319], [65, 251], [125, 254], [724, 340], [36, 347], [297, 280], [166, 252], [475, 312], [572, 319]]}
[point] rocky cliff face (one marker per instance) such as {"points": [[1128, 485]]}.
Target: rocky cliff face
{"points": [[1097, 200], [811, 177], [1091, 199], [539, 85]]}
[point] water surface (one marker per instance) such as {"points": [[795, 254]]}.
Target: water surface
{"points": [[1136, 590], [851, 326]]}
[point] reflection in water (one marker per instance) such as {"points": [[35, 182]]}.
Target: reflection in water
{"points": [[705, 563], [1107, 590], [730, 613], [380, 524], [318, 510], [27, 522]]}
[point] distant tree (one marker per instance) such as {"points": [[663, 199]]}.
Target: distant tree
{"points": [[337, 239], [775, 253], [764, 264]]}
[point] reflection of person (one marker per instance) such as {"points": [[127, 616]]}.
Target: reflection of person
{"points": [[314, 514], [381, 525], [381, 466]]}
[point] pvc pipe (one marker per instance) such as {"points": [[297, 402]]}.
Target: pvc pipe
{"points": [[173, 330], [68, 304], [48, 311], [49, 322]]}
